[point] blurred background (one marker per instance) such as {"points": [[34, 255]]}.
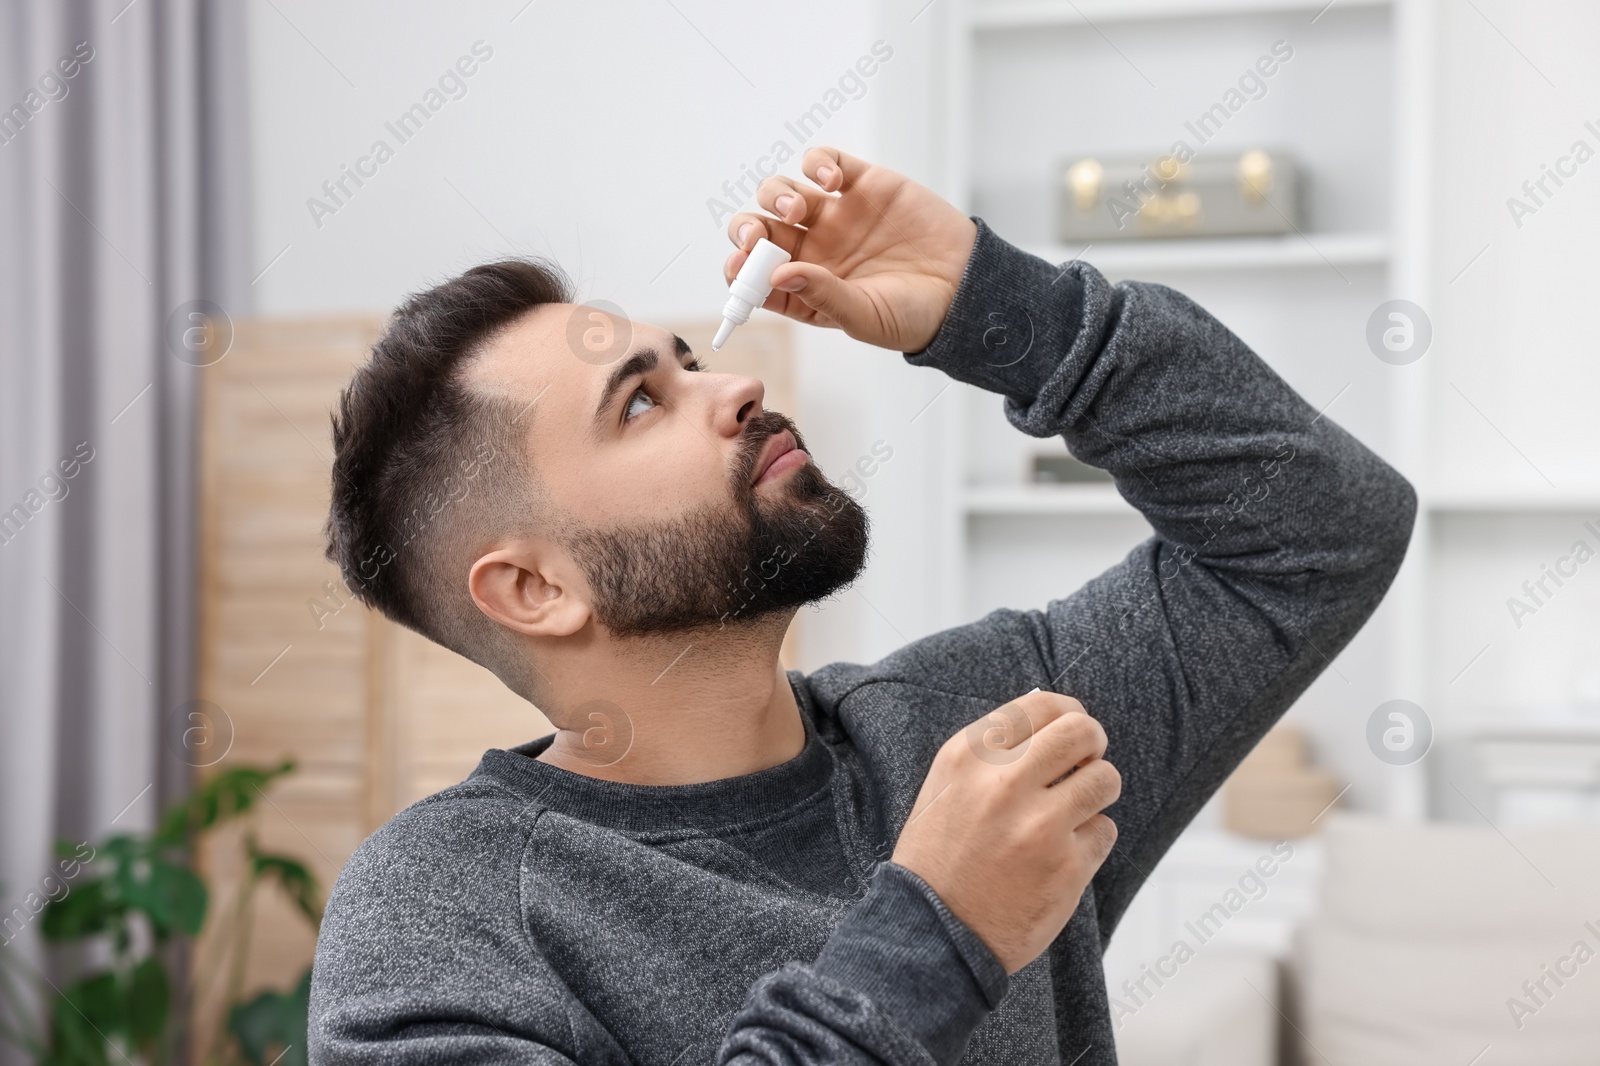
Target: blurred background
{"points": [[207, 209]]}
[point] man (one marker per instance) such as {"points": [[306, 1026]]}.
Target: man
{"points": [[916, 861]]}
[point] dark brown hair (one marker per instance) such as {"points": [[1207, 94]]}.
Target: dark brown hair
{"points": [[428, 468]]}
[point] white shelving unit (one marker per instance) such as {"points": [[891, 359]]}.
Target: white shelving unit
{"points": [[1382, 104], [1128, 72], [1300, 300]]}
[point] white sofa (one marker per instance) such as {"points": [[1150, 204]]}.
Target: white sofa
{"points": [[1218, 1011], [1425, 934]]}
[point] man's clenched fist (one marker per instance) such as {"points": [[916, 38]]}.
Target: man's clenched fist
{"points": [[1007, 828]]}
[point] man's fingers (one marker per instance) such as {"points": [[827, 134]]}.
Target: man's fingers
{"points": [[1097, 836], [1070, 739], [1015, 723], [791, 201], [842, 302], [1091, 789], [782, 234], [1043, 707], [832, 169]]}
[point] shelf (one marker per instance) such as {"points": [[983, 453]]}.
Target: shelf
{"points": [[1521, 501], [1226, 253], [1090, 499], [991, 500], [1536, 727], [1026, 14]]}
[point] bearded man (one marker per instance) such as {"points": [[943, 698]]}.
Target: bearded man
{"points": [[712, 859]]}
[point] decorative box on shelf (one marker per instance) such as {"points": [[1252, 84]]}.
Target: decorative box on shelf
{"points": [[1251, 194], [1055, 469]]}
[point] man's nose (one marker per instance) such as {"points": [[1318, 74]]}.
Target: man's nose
{"points": [[739, 402]]}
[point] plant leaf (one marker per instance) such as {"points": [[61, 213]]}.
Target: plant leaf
{"points": [[89, 907], [293, 877], [84, 1017], [273, 1024], [122, 849], [222, 796], [172, 896], [149, 998]]}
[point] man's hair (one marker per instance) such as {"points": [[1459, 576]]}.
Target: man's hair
{"points": [[428, 468]]}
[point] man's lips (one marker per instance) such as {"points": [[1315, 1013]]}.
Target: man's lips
{"points": [[779, 454]]}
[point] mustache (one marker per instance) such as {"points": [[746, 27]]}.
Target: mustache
{"points": [[757, 431]]}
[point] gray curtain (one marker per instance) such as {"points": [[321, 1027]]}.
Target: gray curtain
{"points": [[121, 203]]}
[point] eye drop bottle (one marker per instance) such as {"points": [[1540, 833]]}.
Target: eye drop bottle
{"points": [[750, 288]]}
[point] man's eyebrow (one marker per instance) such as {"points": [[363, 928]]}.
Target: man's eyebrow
{"points": [[636, 365]]}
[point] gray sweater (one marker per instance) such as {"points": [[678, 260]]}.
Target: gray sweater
{"points": [[533, 915]]}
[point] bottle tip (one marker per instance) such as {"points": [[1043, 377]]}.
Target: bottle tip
{"points": [[724, 331]]}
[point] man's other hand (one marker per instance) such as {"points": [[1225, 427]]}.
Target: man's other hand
{"points": [[1000, 836], [876, 254]]}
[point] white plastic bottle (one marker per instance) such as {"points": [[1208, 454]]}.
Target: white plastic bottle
{"points": [[750, 288]]}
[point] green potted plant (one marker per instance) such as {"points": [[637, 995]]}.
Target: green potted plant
{"points": [[119, 926]]}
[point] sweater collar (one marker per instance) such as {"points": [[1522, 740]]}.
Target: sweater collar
{"points": [[707, 806]]}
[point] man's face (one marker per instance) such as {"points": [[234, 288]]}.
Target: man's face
{"points": [[685, 502]]}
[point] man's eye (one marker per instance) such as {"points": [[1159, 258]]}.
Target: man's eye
{"points": [[629, 412], [639, 394]]}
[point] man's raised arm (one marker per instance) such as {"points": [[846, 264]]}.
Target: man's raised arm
{"points": [[1277, 533]]}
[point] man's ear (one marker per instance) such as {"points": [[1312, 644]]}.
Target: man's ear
{"points": [[532, 588]]}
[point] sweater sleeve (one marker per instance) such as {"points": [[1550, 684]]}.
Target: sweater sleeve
{"points": [[902, 980], [1276, 534]]}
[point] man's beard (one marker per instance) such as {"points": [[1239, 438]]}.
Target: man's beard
{"points": [[804, 540]]}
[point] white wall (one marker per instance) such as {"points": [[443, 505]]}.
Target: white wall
{"points": [[594, 134], [1513, 376], [1517, 340], [1516, 329]]}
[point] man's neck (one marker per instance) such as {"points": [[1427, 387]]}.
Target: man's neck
{"points": [[674, 710]]}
